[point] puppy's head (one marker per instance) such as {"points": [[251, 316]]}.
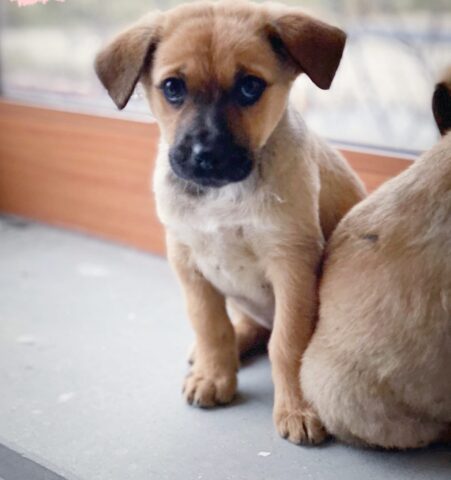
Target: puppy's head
{"points": [[218, 76]]}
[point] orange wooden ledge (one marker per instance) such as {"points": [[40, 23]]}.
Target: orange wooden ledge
{"points": [[92, 173]]}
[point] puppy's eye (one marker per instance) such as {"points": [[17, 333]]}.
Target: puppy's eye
{"points": [[174, 89], [249, 89]]}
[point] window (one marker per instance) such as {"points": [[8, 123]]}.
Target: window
{"points": [[380, 97]]}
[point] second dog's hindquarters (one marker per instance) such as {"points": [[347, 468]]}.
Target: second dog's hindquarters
{"points": [[377, 368]]}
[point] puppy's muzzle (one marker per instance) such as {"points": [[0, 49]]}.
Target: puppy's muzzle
{"points": [[210, 158]]}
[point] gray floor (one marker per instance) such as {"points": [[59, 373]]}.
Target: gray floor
{"points": [[93, 340]]}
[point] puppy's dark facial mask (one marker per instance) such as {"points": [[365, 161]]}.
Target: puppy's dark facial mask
{"points": [[218, 78], [205, 151]]}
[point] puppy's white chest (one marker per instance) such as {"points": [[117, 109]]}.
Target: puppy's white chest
{"points": [[231, 263]]}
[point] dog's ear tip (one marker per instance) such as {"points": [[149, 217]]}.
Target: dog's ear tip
{"points": [[325, 79], [441, 106], [324, 85], [342, 33], [120, 98], [120, 103]]}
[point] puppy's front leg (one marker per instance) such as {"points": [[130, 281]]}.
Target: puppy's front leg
{"points": [[294, 282], [213, 377]]}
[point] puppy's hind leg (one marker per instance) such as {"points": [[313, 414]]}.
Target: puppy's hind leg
{"points": [[357, 409], [250, 336]]}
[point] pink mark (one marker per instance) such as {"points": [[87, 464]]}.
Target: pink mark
{"points": [[25, 3]]}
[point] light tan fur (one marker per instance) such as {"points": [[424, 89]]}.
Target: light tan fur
{"points": [[377, 368], [256, 244]]}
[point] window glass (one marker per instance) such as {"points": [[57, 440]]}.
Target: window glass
{"points": [[381, 95]]}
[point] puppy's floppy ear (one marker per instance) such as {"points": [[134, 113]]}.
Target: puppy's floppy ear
{"points": [[314, 46], [120, 64], [441, 103]]}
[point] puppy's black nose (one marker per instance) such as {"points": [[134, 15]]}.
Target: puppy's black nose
{"points": [[203, 157]]}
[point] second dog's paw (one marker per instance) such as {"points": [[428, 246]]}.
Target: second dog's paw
{"points": [[300, 425], [205, 391]]}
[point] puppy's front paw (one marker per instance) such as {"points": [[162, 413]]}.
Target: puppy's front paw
{"points": [[206, 390], [299, 425]]}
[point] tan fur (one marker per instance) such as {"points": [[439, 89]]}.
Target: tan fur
{"points": [[256, 244], [377, 368], [234, 42], [250, 336]]}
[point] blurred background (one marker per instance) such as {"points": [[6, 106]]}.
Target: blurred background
{"points": [[381, 96]]}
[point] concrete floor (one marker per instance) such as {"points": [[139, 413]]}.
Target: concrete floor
{"points": [[93, 342]]}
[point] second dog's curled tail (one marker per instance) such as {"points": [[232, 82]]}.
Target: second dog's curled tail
{"points": [[441, 102]]}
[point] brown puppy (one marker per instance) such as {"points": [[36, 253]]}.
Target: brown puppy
{"points": [[378, 367], [247, 194]]}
